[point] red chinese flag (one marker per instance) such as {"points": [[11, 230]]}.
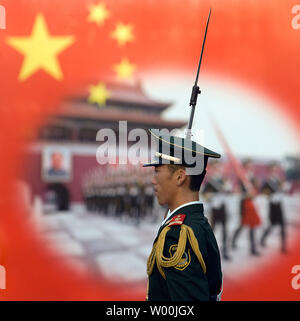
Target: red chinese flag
{"points": [[50, 49]]}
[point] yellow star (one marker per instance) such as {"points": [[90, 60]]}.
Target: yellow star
{"points": [[98, 94], [123, 34], [98, 13], [40, 50], [124, 69]]}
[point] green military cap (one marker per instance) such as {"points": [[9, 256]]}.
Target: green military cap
{"points": [[269, 187], [210, 187], [178, 151]]}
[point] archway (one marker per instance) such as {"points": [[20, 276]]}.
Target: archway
{"points": [[61, 196]]}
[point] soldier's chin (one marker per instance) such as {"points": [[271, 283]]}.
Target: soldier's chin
{"points": [[161, 201]]}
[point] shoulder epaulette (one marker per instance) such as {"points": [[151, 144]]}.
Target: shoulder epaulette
{"points": [[177, 220]]}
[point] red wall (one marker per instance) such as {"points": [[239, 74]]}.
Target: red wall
{"points": [[31, 173]]}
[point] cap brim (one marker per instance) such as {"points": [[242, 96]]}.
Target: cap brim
{"points": [[210, 153]]}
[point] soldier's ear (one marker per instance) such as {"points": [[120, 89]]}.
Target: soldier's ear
{"points": [[181, 176]]}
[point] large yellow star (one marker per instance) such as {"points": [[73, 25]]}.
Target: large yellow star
{"points": [[123, 33], [98, 13], [98, 94], [124, 69], [40, 50]]}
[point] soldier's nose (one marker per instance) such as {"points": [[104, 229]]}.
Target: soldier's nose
{"points": [[153, 181]]}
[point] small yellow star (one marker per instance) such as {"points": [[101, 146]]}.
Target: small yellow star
{"points": [[40, 50], [98, 13], [124, 69], [98, 94], [123, 34]]}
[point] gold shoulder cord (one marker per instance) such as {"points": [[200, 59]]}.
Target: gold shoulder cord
{"points": [[165, 262]]}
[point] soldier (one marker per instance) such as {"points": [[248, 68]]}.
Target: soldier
{"points": [[184, 263], [133, 194], [214, 191], [141, 199], [121, 190], [149, 198], [126, 200], [248, 214], [273, 188]]}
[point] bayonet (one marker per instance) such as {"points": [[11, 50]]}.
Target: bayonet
{"points": [[196, 90]]}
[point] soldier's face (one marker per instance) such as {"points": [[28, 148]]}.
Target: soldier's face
{"points": [[163, 184]]}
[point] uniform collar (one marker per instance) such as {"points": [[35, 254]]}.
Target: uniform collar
{"points": [[178, 208]]}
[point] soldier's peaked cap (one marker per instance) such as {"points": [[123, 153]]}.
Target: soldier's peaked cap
{"points": [[178, 151]]}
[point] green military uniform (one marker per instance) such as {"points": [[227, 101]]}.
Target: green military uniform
{"points": [[194, 275], [184, 263]]}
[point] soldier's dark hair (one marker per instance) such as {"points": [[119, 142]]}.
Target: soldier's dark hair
{"points": [[195, 180]]}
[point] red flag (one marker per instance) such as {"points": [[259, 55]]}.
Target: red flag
{"points": [[238, 168], [51, 49]]}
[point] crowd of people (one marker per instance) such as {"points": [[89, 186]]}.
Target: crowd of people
{"points": [[271, 184], [127, 192], [120, 191]]}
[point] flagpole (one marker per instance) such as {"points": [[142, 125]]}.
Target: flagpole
{"points": [[241, 173]]}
